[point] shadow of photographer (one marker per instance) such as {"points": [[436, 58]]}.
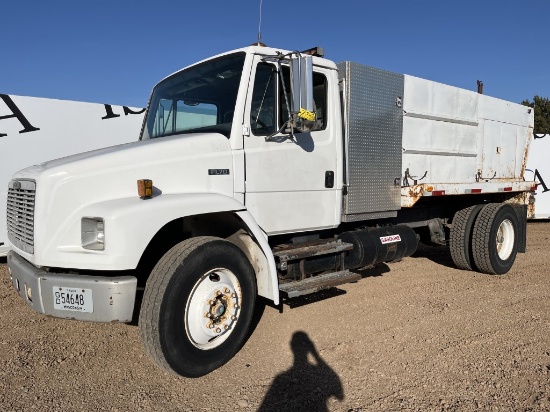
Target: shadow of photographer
{"points": [[307, 385]]}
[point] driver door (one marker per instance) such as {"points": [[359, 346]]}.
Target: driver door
{"points": [[291, 185]]}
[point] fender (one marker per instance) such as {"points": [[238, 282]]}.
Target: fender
{"points": [[268, 283], [131, 223]]}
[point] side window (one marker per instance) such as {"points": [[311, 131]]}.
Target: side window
{"points": [[319, 98], [262, 113]]}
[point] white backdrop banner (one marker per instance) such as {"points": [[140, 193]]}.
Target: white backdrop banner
{"points": [[538, 169]]}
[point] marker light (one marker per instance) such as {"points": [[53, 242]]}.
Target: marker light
{"points": [[145, 188], [28, 292]]}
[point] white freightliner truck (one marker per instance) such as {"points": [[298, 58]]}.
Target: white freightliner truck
{"points": [[229, 195]]}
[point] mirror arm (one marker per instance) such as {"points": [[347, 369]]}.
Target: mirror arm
{"points": [[268, 138], [289, 121]]}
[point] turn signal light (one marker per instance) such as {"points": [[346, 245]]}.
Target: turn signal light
{"points": [[145, 188]]}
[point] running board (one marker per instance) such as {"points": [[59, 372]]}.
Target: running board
{"points": [[317, 283], [310, 249]]}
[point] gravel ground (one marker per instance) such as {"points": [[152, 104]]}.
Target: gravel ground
{"points": [[414, 335]]}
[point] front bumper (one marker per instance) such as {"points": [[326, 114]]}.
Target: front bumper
{"points": [[113, 297]]}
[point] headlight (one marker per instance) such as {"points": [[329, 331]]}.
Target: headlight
{"points": [[93, 233]]}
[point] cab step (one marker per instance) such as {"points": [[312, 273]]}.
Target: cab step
{"points": [[317, 283], [309, 249]]}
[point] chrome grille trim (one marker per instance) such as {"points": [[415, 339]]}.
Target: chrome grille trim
{"points": [[20, 214]]}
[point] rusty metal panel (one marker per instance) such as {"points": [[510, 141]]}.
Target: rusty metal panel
{"points": [[412, 194], [373, 119], [440, 102], [491, 108], [439, 132], [503, 146]]}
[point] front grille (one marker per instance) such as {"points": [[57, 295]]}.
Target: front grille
{"points": [[20, 214]]}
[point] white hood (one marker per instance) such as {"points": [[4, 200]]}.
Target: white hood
{"points": [[70, 188]]}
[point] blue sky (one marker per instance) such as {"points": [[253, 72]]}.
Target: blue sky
{"points": [[115, 51]]}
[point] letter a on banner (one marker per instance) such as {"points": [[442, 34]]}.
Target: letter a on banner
{"points": [[537, 174], [27, 126]]}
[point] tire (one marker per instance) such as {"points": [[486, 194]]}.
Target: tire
{"points": [[460, 242], [197, 306], [495, 238]]}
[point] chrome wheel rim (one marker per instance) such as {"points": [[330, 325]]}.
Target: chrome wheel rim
{"points": [[213, 309], [505, 239]]}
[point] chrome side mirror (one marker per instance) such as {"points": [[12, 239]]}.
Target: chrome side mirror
{"points": [[301, 83]]}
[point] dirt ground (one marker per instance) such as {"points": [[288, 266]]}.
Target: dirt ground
{"points": [[414, 335]]}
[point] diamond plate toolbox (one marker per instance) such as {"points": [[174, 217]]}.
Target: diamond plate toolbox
{"points": [[373, 121]]}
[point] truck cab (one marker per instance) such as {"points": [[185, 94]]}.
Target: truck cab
{"points": [[241, 96]]}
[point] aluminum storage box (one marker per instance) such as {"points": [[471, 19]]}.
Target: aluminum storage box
{"points": [[373, 122]]}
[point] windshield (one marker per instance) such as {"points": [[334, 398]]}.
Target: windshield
{"points": [[199, 99]]}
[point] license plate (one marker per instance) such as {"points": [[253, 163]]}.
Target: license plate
{"points": [[79, 300]]}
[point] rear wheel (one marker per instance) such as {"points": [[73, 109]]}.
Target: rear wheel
{"points": [[461, 237], [495, 238], [197, 306]]}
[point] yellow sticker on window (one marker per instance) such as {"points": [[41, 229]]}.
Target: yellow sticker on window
{"points": [[306, 114]]}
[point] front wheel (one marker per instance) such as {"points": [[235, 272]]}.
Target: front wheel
{"points": [[495, 238], [197, 306]]}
